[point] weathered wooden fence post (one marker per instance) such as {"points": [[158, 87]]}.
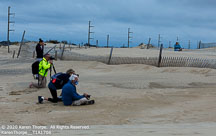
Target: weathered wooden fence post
{"points": [[148, 43], [56, 55], [14, 53], [21, 44], [33, 56], [110, 55], [160, 55], [62, 51]]}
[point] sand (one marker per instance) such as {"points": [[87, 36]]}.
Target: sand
{"points": [[130, 99]]}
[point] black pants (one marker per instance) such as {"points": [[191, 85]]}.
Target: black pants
{"points": [[53, 92]]}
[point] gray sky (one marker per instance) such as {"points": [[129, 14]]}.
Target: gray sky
{"points": [[68, 20]]}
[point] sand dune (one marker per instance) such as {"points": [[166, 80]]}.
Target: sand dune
{"points": [[130, 99]]}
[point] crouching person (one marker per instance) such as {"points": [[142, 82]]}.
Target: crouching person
{"points": [[44, 66], [70, 95], [57, 82]]}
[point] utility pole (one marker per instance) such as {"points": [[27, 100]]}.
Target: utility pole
{"points": [[199, 46], [89, 33], [169, 44], [8, 32], [189, 44], [159, 40], [129, 37], [177, 39], [96, 43], [107, 41]]}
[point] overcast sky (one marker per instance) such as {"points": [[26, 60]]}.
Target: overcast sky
{"points": [[68, 20]]}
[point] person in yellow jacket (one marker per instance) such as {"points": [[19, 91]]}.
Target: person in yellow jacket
{"points": [[44, 66]]}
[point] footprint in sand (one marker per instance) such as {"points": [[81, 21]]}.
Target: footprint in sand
{"points": [[40, 109], [16, 100], [22, 112], [25, 91], [1, 98], [1, 88]]}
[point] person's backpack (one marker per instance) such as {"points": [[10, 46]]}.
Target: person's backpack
{"points": [[35, 67], [57, 81]]}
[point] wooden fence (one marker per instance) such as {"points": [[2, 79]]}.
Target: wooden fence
{"points": [[153, 61], [166, 61]]}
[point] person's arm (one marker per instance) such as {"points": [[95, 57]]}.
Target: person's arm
{"points": [[75, 95], [46, 66]]}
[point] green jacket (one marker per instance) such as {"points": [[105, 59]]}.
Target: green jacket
{"points": [[44, 65]]}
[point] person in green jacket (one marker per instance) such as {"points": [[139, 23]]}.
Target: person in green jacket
{"points": [[44, 66]]}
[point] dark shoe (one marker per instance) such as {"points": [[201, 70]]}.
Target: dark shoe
{"points": [[90, 102], [40, 99], [59, 99]]}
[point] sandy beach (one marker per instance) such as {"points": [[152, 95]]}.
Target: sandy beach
{"points": [[131, 99]]}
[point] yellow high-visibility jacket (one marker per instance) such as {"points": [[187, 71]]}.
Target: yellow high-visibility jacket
{"points": [[44, 65]]}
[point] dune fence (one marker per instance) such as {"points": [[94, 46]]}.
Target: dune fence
{"points": [[153, 61]]}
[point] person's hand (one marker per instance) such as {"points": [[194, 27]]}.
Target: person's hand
{"points": [[50, 61], [85, 94]]}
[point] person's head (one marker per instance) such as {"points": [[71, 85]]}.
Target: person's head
{"points": [[70, 72], [41, 42], [47, 56], [74, 79], [177, 43]]}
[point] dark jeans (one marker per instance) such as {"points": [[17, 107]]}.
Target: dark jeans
{"points": [[53, 92]]}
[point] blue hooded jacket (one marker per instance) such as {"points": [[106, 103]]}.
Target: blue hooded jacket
{"points": [[177, 47], [69, 94]]}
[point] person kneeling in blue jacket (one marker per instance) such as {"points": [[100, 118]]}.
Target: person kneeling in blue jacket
{"points": [[70, 95], [177, 47]]}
